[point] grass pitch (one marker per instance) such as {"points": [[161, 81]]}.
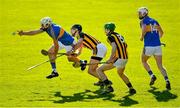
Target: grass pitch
{"points": [[75, 89]]}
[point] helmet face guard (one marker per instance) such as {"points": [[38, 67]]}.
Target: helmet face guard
{"points": [[143, 12], [46, 21]]}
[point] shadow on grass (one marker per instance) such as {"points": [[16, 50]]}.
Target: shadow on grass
{"points": [[84, 96], [126, 101], [162, 96], [87, 96]]}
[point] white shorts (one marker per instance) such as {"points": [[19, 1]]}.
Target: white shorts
{"points": [[120, 63], [156, 50], [101, 50], [67, 48]]}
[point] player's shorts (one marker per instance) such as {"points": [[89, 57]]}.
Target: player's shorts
{"points": [[67, 48], [149, 51], [100, 53], [120, 63]]}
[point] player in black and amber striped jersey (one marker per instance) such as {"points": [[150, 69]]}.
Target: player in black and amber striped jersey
{"points": [[118, 59], [84, 40], [121, 50]]}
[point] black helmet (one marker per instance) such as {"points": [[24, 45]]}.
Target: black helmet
{"points": [[77, 26]]}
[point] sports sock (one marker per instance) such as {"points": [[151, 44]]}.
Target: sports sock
{"points": [[106, 82], [53, 65], [82, 62], [150, 73], [166, 79], [129, 85]]}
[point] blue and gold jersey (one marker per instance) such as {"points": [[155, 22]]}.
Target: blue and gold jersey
{"points": [[151, 37], [58, 33]]}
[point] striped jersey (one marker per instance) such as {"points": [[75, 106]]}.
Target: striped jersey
{"points": [[88, 41], [121, 50]]}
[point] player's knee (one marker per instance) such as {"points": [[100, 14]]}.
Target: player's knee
{"points": [[91, 70], [144, 62], [99, 70], [50, 51]]}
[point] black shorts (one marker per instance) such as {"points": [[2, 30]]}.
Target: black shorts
{"points": [[96, 58]]}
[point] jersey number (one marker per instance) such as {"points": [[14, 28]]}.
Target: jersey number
{"points": [[121, 39], [153, 28]]}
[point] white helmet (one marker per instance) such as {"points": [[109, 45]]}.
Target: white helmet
{"points": [[46, 20], [143, 11]]}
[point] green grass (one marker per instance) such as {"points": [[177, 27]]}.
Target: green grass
{"points": [[21, 88]]}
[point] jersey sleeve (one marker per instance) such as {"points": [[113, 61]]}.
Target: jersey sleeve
{"points": [[157, 23], [111, 39], [145, 22]]}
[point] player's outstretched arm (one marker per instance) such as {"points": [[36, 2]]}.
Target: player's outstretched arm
{"points": [[29, 33]]}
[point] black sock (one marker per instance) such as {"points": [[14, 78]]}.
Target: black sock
{"points": [[82, 62], [53, 65], [129, 85], [150, 72], [106, 82], [166, 78]]}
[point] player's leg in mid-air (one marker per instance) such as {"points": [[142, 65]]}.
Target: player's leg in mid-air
{"points": [[146, 54]]}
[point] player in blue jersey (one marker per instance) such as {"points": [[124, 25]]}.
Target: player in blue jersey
{"points": [[61, 40], [151, 34]]}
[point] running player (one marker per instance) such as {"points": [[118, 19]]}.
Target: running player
{"points": [[118, 59], [61, 40], [151, 33], [98, 49]]}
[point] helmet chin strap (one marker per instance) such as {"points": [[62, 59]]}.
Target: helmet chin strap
{"points": [[109, 32], [143, 17]]}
